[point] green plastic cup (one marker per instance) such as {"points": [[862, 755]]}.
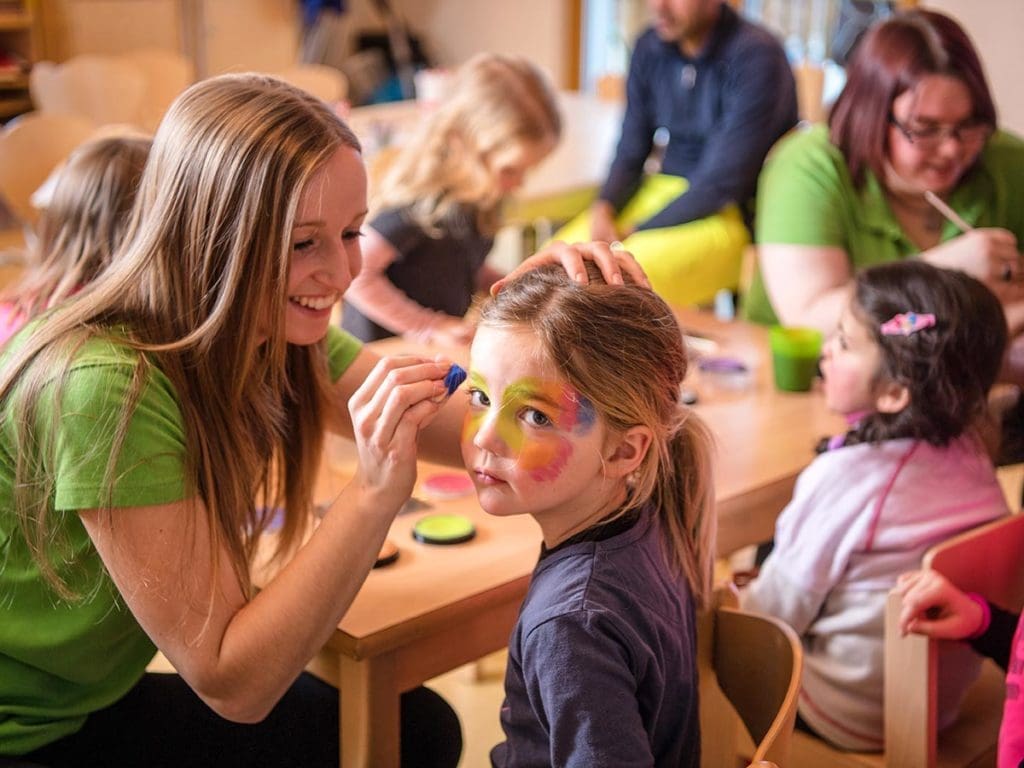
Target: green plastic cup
{"points": [[795, 353]]}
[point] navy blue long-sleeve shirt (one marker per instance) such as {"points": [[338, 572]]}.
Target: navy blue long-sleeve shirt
{"points": [[602, 668], [724, 109]]}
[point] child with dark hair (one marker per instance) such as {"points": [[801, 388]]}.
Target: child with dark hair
{"points": [[910, 367]]}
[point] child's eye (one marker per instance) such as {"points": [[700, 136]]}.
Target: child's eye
{"points": [[535, 418], [352, 234], [477, 399], [303, 245]]}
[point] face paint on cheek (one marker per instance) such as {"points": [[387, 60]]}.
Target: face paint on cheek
{"points": [[544, 461]]}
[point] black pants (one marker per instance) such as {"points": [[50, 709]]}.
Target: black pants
{"points": [[161, 722]]}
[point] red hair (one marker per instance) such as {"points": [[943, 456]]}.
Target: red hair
{"points": [[894, 56]]}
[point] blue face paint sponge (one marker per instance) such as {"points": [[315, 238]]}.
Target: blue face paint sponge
{"points": [[454, 378]]}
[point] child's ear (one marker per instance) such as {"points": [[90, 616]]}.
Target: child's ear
{"points": [[892, 398], [626, 451]]}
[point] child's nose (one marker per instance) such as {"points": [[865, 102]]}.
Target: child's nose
{"points": [[487, 437]]}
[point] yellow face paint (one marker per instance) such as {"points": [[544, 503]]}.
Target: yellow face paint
{"points": [[534, 421]]}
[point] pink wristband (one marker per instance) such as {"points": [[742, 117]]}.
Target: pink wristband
{"points": [[986, 615]]}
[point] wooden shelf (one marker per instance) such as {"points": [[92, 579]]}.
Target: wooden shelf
{"points": [[12, 80], [15, 21], [18, 40], [14, 105]]}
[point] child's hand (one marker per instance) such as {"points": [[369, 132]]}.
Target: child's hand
{"points": [[399, 397], [932, 606], [452, 332]]}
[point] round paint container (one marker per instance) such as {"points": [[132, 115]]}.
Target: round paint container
{"points": [[389, 552], [444, 529], [447, 486]]}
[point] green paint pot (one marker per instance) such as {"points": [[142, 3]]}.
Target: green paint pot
{"points": [[444, 529]]}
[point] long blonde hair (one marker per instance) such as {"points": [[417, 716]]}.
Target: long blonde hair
{"points": [[199, 290], [84, 222], [620, 346], [495, 101]]}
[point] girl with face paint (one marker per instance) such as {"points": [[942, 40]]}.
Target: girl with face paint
{"points": [[575, 419]]}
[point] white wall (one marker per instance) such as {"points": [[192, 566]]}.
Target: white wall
{"points": [[995, 27], [454, 30]]}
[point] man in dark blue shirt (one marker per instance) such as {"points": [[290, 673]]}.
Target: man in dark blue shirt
{"points": [[714, 92]]}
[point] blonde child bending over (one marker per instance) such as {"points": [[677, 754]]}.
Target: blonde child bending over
{"points": [[575, 419], [81, 228], [439, 205], [910, 366]]}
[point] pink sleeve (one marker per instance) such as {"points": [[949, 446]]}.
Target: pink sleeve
{"points": [[11, 321], [373, 294], [1011, 732]]}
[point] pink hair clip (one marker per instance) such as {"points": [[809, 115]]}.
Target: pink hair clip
{"points": [[904, 324]]}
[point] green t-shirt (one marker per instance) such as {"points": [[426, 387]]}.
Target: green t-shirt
{"points": [[805, 196], [61, 660]]}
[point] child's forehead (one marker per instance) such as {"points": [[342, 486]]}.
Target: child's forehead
{"points": [[854, 323], [505, 355]]}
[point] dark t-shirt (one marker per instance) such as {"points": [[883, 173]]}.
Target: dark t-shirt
{"points": [[436, 272], [602, 662]]}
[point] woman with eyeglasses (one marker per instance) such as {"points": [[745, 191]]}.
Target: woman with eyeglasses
{"points": [[916, 116]]}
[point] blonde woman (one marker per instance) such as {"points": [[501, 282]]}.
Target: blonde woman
{"points": [[80, 228], [438, 205], [141, 419]]}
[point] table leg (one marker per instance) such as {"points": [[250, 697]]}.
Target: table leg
{"points": [[370, 713]]}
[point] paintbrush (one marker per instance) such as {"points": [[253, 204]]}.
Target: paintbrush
{"points": [[941, 206]]}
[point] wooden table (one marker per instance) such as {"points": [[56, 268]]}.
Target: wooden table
{"points": [[560, 187], [440, 607]]}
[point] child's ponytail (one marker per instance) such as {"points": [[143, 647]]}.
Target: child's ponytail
{"points": [[685, 497]]}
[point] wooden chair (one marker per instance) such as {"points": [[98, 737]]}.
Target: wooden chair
{"points": [[166, 74], [749, 668], [326, 83], [986, 560], [102, 89], [30, 148]]}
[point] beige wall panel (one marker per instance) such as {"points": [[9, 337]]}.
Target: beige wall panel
{"points": [[243, 35], [110, 26], [994, 26]]}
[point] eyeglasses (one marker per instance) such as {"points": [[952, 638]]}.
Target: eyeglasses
{"points": [[969, 133]]}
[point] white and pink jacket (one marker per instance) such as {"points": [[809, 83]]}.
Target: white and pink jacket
{"points": [[860, 516]]}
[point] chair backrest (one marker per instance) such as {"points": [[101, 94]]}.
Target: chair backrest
{"points": [[103, 89], [166, 74], [750, 668], [30, 148], [326, 83], [986, 560]]}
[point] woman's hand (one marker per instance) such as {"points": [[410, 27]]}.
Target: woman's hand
{"points": [[612, 263], [989, 254], [399, 397], [932, 606]]}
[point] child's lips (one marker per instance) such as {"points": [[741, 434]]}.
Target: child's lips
{"points": [[487, 478]]}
